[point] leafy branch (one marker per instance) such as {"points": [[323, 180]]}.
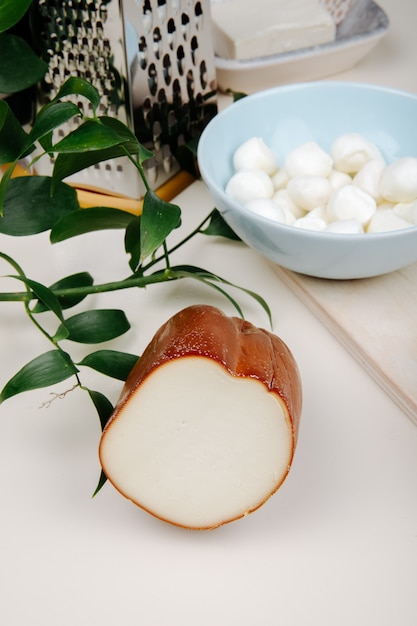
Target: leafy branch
{"points": [[33, 204]]}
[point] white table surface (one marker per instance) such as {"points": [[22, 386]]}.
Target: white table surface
{"points": [[337, 544]]}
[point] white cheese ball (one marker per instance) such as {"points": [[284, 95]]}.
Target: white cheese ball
{"points": [[282, 197], [399, 180], [369, 176], [350, 202], [310, 222], [246, 185], [406, 210], [309, 192], [280, 179], [267, 208], [345, 227], [255, 154], [339, 179], [386, 220], [319, 212], [351, 151], [309, 159]]}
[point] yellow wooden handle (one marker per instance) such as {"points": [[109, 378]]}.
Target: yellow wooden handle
{"points": [[167, 192], [96, 197]]}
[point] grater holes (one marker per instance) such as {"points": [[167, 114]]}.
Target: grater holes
{"points": [[198, 14], [157, 39], [167, 69], [152, 79], [176, 92], [190, 84], [171, 120], [185, 24], [203, 74], [180, 60], [147, 106], [142, 53], [156, 134], [171, 31], [147, 16], [194, 49], [162, 11]]}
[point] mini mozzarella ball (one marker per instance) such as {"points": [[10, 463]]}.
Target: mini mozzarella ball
{"points": [[399, 180], [386, 205], [255, 154], [311, 223], [406, 210], [351, 151], [267, 208], [350, 202], [319, 212], [280, 179], [282, 197], [386, 220], [369, 176], [309, 159], [339, 179], [289, 216], [309, 192], [249, 184], [345, 227]]}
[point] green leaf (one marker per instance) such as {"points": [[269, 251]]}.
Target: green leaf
{"points": [[89, 220], [219, 228], [4, 182], [129, 139], [75, 86], [101, 482], [94, 142], [45, 370], [13, 139], [94, 326], [82, 279], [132, 242], [104, 409], [11, 11], [237, 95], [210, 279], [51, 116], [29, 207], [111, 363], [103, 406], [20, 68], [90, 136], [71, 163], [159, 218], [44, 294]]}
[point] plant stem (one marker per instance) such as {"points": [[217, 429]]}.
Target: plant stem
{"points": [[128, 283]]}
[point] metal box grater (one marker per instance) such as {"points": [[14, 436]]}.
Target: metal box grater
{"points": [[152, 62]]}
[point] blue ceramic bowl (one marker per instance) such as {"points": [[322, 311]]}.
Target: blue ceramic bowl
{"points": [[285, 117]]}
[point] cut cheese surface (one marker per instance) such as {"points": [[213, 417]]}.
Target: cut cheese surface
{"points": [[198, 446], [206, 425], [248, 29]]}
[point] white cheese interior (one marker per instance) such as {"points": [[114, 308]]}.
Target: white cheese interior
{"points": [[197, 446], [247, 29]]}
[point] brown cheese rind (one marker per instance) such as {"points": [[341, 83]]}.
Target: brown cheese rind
{"points": [[242, 348]]}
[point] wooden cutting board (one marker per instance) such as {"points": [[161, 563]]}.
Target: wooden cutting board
{"points": [[375, 319]]}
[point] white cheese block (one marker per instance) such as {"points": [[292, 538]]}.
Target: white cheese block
{"points": [[247, 29]]}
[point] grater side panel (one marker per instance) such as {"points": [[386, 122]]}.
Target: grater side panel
{"points": [[172, 76], [86, 39], [152, 62]]}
